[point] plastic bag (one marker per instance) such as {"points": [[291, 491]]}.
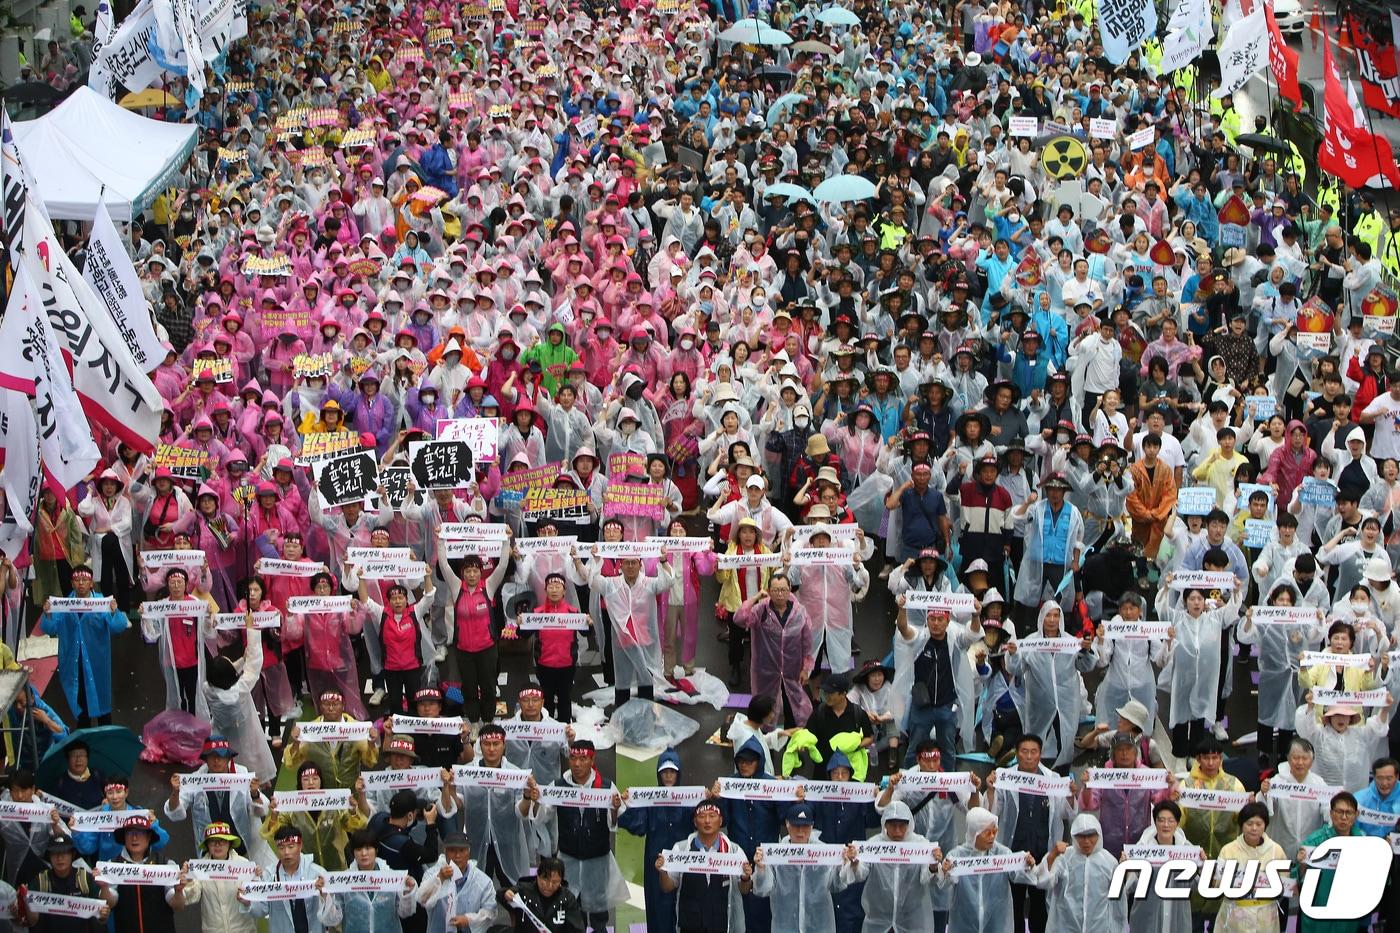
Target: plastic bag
{"points": [[867, 502], [644, 724], [704, 688], [174, 737]]}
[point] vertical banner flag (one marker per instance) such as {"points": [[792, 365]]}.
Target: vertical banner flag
{"points": [[1243, 52], [1283, 62], [1124, 24], [111, 275], [1352, 153]]}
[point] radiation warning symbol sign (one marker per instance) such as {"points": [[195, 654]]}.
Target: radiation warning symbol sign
{"points": [[1064, 157]]}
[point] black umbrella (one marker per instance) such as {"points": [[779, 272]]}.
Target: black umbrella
{"points": [[1258, 142], [33, 93]]}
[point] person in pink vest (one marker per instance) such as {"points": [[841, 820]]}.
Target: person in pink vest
{"points": [[471, 595]]}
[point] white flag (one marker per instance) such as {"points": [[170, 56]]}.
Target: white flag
{"points": [[104, 25], [112, 276], [1243, 52], [125, 59], [31, 362], [115, 392], [1124, 24], [20, 478]]}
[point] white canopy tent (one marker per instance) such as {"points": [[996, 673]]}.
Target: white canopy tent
{"points": [[88, 146]]}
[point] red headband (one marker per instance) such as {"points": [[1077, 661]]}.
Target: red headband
{"points": [[582, 751]]}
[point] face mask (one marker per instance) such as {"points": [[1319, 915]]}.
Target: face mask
{"points": [[507, 354], [687, 344], [802, 421], [429, 399]]}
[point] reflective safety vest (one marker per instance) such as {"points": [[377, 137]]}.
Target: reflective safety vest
{"points": [[1390, 253], [1369, 228]]}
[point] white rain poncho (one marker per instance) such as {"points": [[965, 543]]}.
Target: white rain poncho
{"points": [[1292, 821], [491, 818], [1054, 690], [1152, 914], [378, 911], [158, 632], [801, 894], [247, 815], [1129, 674], [981, 903], [1077, 886], [1031, 528], [1006, 805], [233, 714], [894, 897], [1193, 667], [1343, 759], [906, 654], [937, 819], [632, 611], [322, 912], [1279, 647]]}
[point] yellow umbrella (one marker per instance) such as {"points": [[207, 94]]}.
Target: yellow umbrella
{"points": [[151, 97]]}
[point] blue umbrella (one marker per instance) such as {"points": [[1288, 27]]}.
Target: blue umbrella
{"points": [[788, 190], [786, 102], [845, 188], [112, 750], [838, 16]]}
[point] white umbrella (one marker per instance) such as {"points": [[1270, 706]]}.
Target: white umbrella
{"points": [[838, 16], [761, 35]]}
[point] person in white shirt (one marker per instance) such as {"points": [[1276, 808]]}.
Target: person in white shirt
{"points": [[1093, 362], [1384, 413]]}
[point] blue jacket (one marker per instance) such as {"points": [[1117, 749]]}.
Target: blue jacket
{"points": [[1371, 799], [751, 823], [661, 828], [85, 650]]}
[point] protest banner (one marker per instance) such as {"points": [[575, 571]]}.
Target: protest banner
{"points": [[277, 567], [1333, 659], [14, 811], [278, 264], [352, 880], [682, 545], [839, 792], [1260, 407], [307, 365], [1318, 492], [1127, 778], [190, 561], [555, 503], [66, 905], [149, 874], [401, 778], [395, 479], [480, 434], [730, 864], [1141, 630], [234, 621], [540, 477], [872, 852], [162, 609], [209, 869], [578, 798], [674, 796], [1032, 782], [554, 544], [940, 781], [1100, 128], [934, 601], [345, 479], [753, 559], [326, 446], [1203, 579], [1258, 531], [425, 725], [1160, 855], [1195, 500], [989, 864], [1200, 798], [621, 466], [304, 801], [553, 621], [502, 778], [1284, 615], [184, 462], [641, 500], [220, 370], [205, 781], [259, 891], [1248, 489], [347, 730], [518, 730], [300, 605], [440, 464], [80, 604], [733, 788], [284, 320]]}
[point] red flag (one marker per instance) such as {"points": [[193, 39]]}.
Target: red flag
{"points": [[1380, 82], [1349, 151], [1283, 61]]}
